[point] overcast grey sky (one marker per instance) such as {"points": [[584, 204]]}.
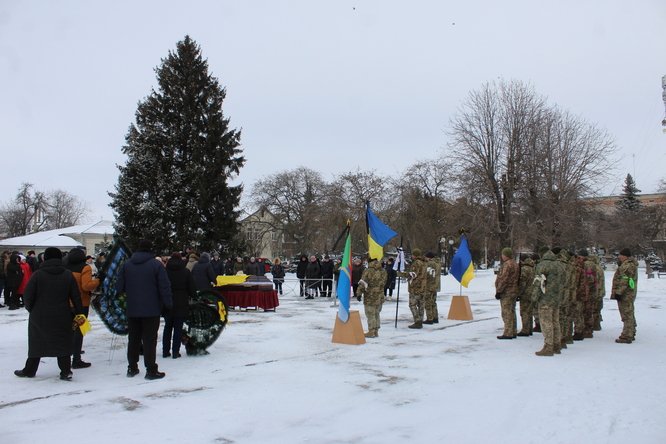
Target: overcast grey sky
{"points": [[333, 85]]}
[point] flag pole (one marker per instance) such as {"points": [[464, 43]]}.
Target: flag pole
{"points": [[397, 299]]}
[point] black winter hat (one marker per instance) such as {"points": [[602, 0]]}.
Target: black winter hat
{"points": [[145, 245], [625, 252], [52, 253]]}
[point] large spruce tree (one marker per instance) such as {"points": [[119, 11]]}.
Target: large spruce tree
{"points": [[629, 198], [181, 153]]}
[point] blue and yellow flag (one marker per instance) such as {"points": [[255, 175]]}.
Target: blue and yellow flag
{"points": [[344, 281], [461, 266], [378, 234]]}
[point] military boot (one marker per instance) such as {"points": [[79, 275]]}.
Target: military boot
{"points": [[578, 337], [523, 333], [547, 350], [563, 344], [376, 332], [428, 321], [622, 340], [587, 334], [369, 334], [417, 324]]}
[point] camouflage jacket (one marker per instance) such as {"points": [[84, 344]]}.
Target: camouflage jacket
{"points": [[582, 293], [526, 278], [591, 277], [625, 275], [506, 283], [601, 279], [554, 274], [375, 277], [434, 275], [416, 284]]}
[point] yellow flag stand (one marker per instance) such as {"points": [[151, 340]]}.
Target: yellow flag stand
{"points": [[460, 309], [351, 332]]}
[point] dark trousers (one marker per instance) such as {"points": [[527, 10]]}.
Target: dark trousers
{"points": [[142, 331], [172, 326], [327, 287], [78, 338], [278, 285], [32, 364], [302, 284], [11, 298]]}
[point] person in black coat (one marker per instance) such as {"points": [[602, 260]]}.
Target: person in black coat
{"points": [[218, 264], [391, 276], [356, 273], [312, 277], [145, 282], [300, 272], [182, 290], [277, 270], [203, 273], [327, 276], [254, 268], [13, 281], [52, 298]]}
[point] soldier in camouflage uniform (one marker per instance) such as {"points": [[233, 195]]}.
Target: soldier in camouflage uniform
{"points": [[371, 287], [568, 290], [624, 292], [550, 275], [581, 299], [506, 290], [599, 297], [416, 286], [433, 285], [590, 272], [525, 289]]}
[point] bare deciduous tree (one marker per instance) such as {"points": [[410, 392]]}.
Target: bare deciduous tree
{"points": [[296, 197]]}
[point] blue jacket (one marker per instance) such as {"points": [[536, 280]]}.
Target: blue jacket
{"points": [[146, 284]]}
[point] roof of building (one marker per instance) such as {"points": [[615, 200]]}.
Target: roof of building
{"points": [[59, 237]]}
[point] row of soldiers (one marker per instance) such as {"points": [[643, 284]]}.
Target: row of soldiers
{"points": [[564, 293], [424, 282]]}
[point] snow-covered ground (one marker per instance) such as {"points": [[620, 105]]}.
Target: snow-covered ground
{"points": [[276, 377]]}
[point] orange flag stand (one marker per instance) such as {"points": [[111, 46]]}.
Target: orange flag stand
{"points": [[460, 309], [350, 332]]}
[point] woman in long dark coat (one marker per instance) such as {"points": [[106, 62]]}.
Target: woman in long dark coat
{"points": [[49, 297], [182, 289]]}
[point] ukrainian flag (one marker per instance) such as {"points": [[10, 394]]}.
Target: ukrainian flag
{"points": [[378, 234], [344, 281], [461, 266]]}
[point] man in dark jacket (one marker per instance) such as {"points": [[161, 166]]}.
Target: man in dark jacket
{"points": [[145, 282], [13, 281], [52, 298], [327, 276], [204, 273], [300, 272], [312, 277], [183, 289]]}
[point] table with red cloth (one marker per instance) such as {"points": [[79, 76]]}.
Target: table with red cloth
{"points": [[256, 292]]}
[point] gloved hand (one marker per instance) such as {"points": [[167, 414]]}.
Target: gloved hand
{"points": [[358, 298], [498, 296], [617, 297], [363, 283]]}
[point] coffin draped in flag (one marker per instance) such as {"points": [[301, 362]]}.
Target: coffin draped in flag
{"points": [[461, 266], [344, 280], [378, 234]]}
